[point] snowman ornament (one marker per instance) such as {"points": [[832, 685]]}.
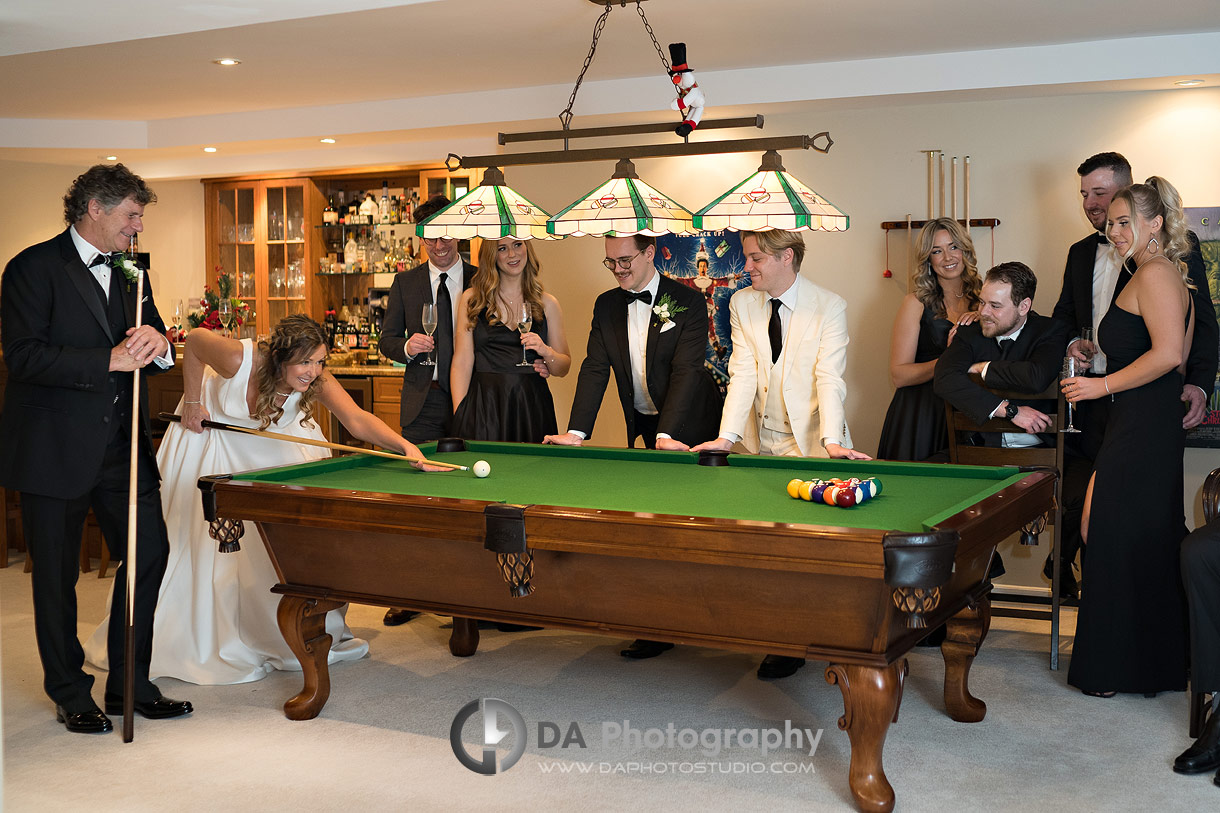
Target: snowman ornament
{"points": [[690, 99]]}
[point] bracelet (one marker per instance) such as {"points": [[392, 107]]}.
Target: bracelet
{"points": [[1106, 380], [191, 402]]}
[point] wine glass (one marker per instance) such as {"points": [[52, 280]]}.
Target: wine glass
{"points": [[429, 319], [224, 309], [525, 320], [179, 319], [1069, 371]]}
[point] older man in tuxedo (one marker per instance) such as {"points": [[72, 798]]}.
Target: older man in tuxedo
{"points": [[786, 388], [652, 332], [1092, 279], [67, 316], [426, 408]]}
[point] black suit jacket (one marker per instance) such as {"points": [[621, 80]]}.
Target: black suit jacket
{"points": [[1075, 305], [403, 316], [682, 389], [1032, 365], [59, 403]]}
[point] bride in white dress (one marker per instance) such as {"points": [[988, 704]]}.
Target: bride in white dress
{"points": [[215, 621]]}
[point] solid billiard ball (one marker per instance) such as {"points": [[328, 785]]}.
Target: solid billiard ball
{"points": [[794, 489], [481, 469], [845, 497]]}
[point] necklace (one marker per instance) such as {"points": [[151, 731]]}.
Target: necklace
{"points": [[283, 394]]}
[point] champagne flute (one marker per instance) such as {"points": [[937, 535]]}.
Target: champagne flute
{"points": [[224, 309], [525, 321], [1087, 338], [1069, 371], [428, 317]]}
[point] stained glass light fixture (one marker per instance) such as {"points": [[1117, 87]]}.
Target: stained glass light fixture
{"points": [[622, 206], [771, 199], [491, 210]]}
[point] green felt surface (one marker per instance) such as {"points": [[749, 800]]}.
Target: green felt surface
{"points": [[915, 496]]}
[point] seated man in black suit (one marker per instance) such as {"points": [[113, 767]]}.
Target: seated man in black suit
{"points": [[1201, 575], [667, 395], [1011, 347]]}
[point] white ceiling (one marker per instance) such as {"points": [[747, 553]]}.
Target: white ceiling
{"points": [[415, 79]]}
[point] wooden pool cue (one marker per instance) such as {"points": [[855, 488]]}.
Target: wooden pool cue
{"points": [[321, 444], [133, 489]]}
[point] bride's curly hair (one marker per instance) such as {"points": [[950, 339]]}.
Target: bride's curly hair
{"points": [[292, 341]]}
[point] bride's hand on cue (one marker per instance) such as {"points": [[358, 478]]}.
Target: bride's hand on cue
{"points": [[409, 449], [193, 416]]}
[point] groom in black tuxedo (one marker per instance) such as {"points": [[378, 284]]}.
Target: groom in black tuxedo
{"points": [[667, 395], [67, 310]]}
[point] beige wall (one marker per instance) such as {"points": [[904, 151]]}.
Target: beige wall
{"points": [[1023, 155]]}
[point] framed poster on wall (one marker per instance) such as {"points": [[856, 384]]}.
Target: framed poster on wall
{"points": [[1204, 221]]}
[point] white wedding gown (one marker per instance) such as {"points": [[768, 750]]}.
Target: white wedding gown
{"points": [[215, 619]]}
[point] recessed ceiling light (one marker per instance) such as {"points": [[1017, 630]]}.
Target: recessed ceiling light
{"points": [[227, 61], [1189, 83], [112, 158], [327, 140], [209, 149]]}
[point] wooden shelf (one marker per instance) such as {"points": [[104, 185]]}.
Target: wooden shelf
{"points": [[979, 222]]}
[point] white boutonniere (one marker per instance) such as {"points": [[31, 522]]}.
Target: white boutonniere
{"points": [[130, 270], [666, 309]]}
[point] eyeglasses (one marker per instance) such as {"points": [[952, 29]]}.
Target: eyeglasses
{"points": [[622, 262]]}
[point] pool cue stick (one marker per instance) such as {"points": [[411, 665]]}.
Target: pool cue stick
{"points": [[321, 444], [129, 638]]}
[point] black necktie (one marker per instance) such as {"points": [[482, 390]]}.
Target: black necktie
{"points": [[444, 332], [643, 296], [1006, 347], [101, 259], [775, 331]]}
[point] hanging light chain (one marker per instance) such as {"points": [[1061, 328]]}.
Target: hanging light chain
{"points": [[664, 62], [565, 117]]}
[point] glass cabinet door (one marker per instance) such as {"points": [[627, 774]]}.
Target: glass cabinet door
{"points": [[235, 221], [285, 247]]}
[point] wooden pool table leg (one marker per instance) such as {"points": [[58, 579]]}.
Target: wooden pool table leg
{"points": [[464, 640], [871, 697], [964, 635], [303, 624]]}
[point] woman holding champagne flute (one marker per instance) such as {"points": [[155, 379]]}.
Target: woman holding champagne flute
{"points": [[509, 332], [1131, 629]]}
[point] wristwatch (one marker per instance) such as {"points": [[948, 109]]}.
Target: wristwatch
{"points": [[1010, 411]]}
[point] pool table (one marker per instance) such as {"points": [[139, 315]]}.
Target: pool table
{"points": [[644, 544]]}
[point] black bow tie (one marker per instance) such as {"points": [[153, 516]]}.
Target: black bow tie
{"points": [[645, 296], [101, 259]]}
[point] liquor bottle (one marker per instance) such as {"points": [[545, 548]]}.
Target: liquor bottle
{"points": [[395, 216], [383, 206], [374, 356], [368, 210], [349, 254], [329, 216]]}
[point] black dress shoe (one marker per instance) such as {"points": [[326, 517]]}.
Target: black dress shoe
{"points": [[1069, 587], [91, 721], [774, 667], [159, 709], [1204, 755], [641, 649], [394, 616]]}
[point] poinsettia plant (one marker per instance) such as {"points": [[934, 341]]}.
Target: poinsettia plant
{"points": [[207, 315]]}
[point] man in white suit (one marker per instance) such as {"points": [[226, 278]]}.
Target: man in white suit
{"points": [[786, 386]]}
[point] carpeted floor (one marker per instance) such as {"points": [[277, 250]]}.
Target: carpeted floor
{"points": [[382, 741]]}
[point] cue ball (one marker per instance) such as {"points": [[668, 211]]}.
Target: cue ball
{"points": [[482, 468]]}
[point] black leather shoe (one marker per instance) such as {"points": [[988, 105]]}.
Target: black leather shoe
{"points": [[394, 616], [774, 667], [84, 722], [641, 649], [1069, 587], [1204, 755], [159, 709]]}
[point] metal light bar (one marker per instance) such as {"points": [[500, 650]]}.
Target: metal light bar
{"points": [[796, 142], [627, 129]]}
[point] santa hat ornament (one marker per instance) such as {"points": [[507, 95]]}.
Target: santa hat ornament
{"points": [[690, 99]]}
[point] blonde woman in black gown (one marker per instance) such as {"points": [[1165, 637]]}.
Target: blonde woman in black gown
{"points": [[1131, 629], [496, 397], [946, 295]]}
